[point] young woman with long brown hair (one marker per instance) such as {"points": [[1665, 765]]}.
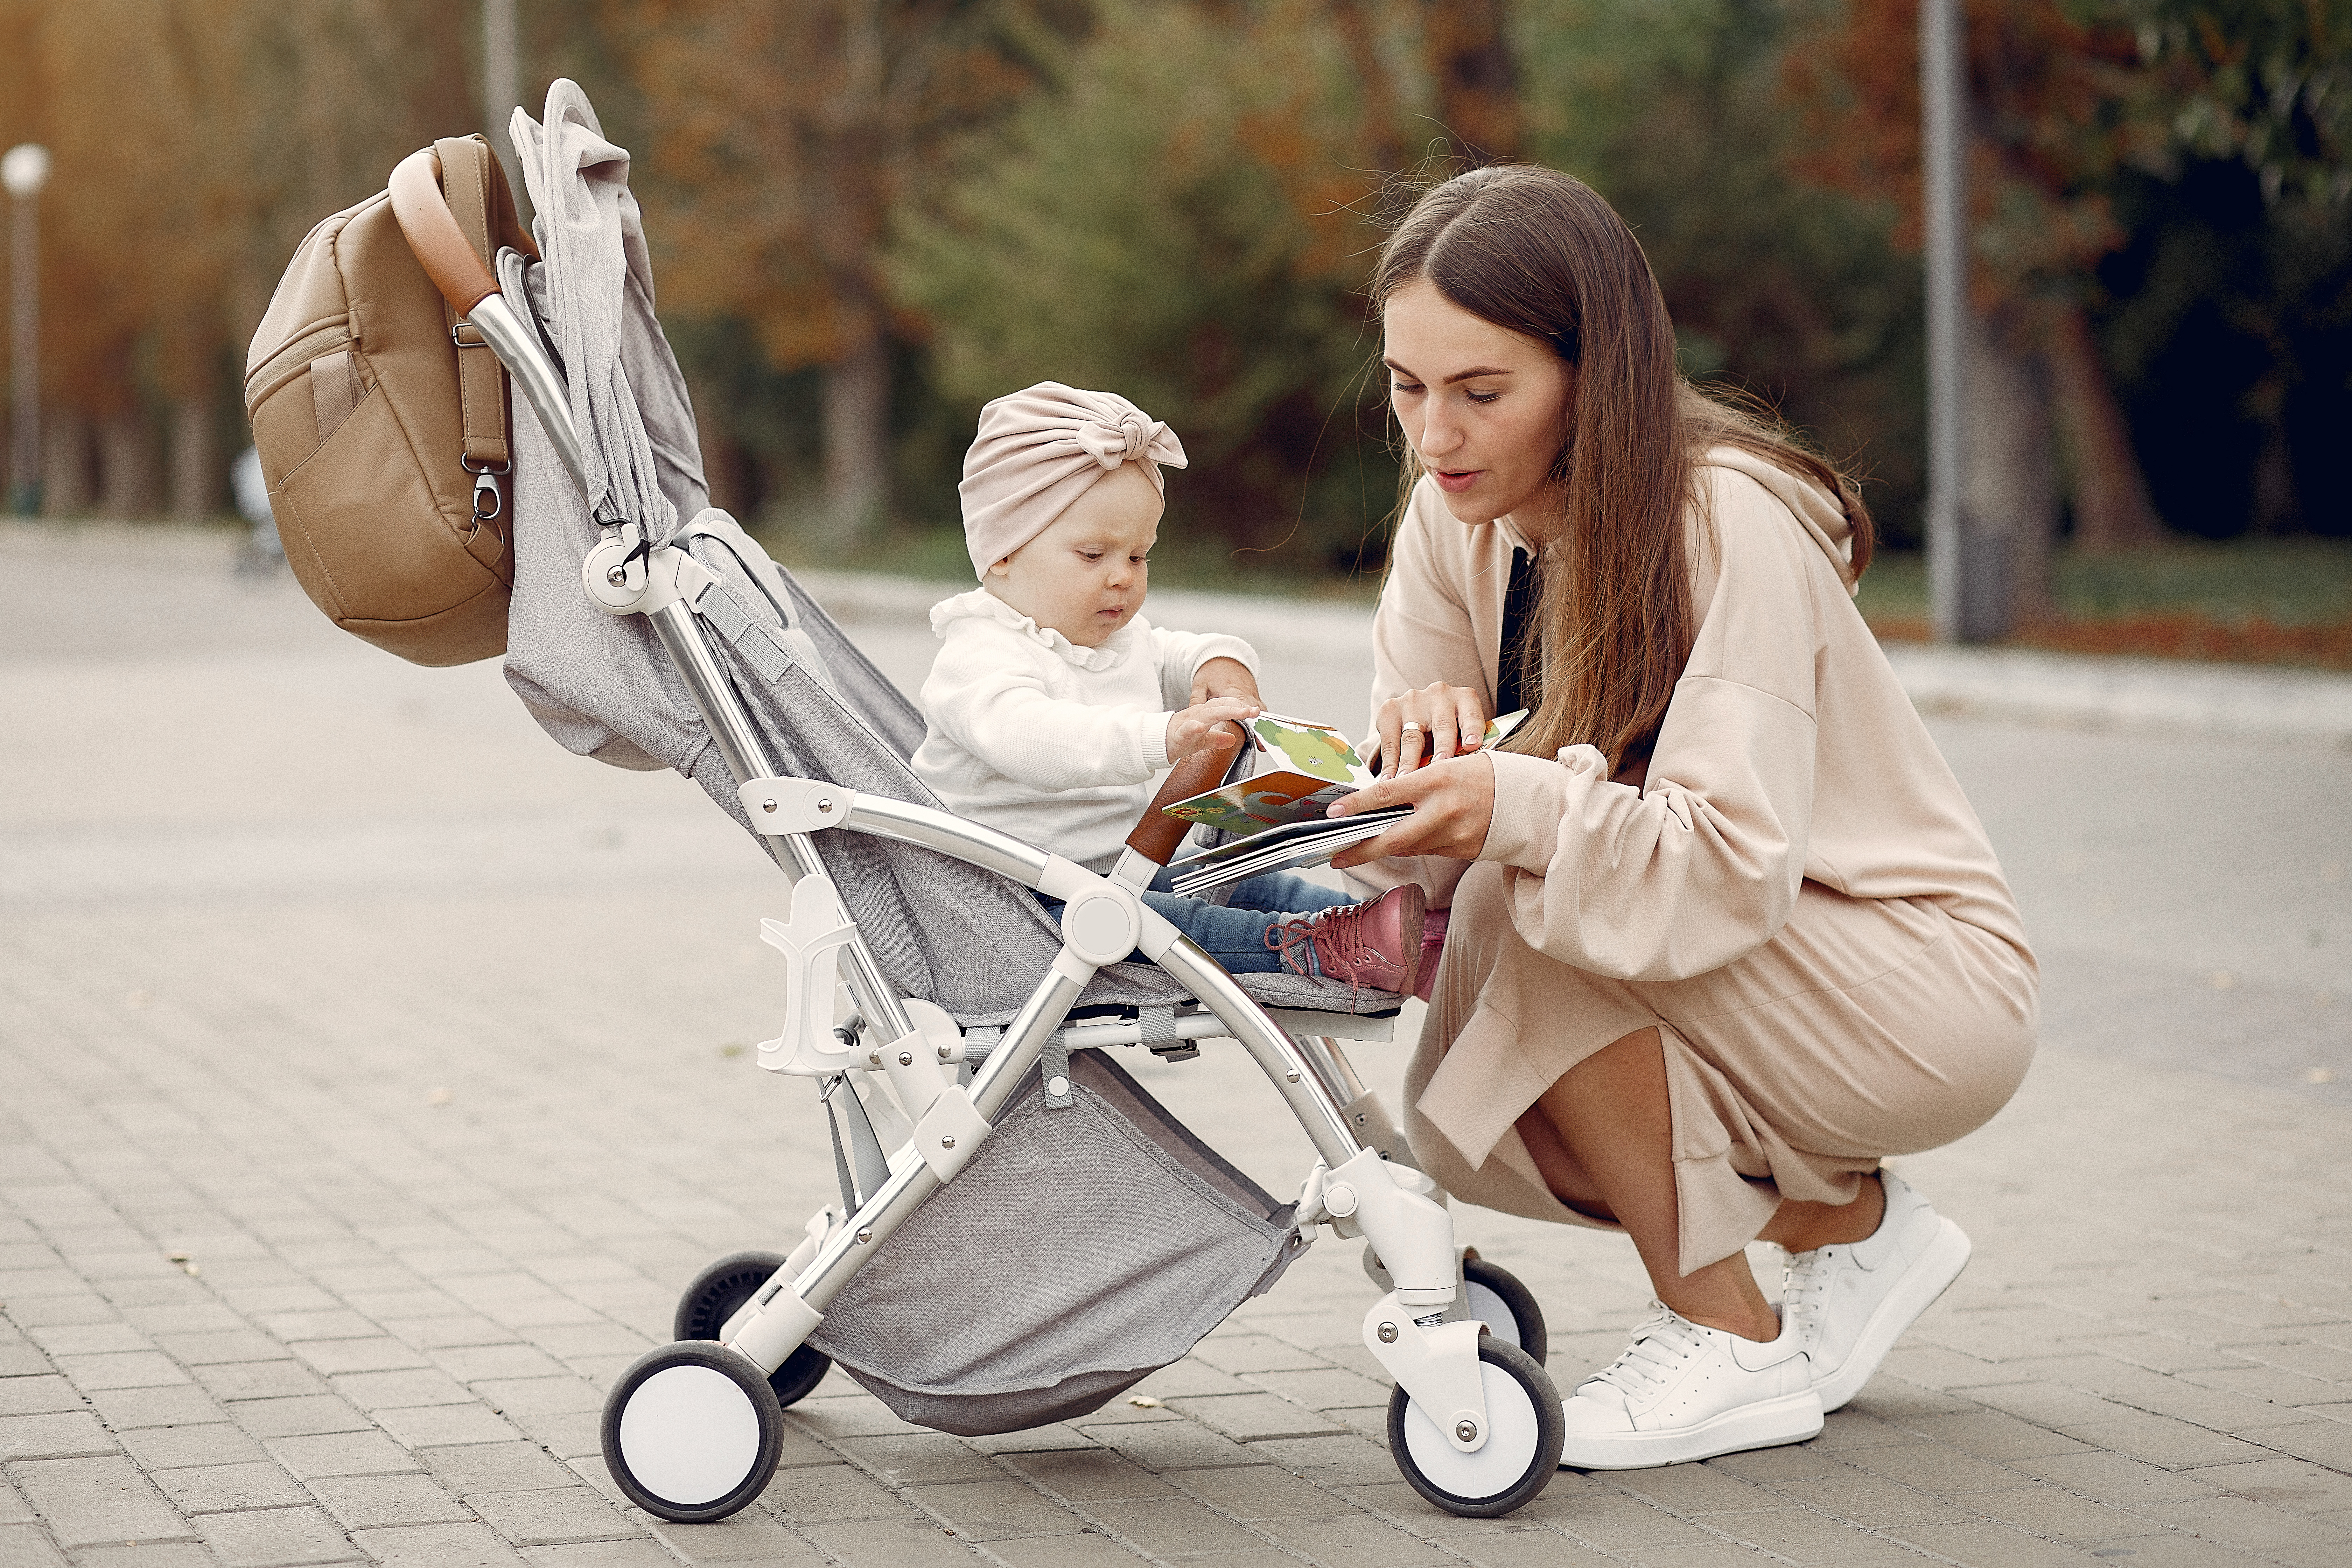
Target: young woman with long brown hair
{"points": [[1724, 930]]}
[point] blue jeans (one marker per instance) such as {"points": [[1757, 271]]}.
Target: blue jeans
{"points": [[1235, 934]]}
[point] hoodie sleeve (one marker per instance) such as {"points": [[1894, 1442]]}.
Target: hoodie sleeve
{"points": [[992, 701], [1180, 656], [1701, 865]]}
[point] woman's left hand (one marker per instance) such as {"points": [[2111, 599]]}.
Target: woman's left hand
{"points": [[1452, 803]]}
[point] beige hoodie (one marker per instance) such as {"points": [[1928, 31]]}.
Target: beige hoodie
{"points": [[1789, 751]]}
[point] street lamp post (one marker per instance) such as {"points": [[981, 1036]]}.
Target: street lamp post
{"points": [[24, 169], [1968, 555]]}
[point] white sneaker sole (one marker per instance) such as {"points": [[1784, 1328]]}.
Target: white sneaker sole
{"points": [[1927, 1279], [1766, 1424]]}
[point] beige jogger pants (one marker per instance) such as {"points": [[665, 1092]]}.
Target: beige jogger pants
{"points": [[1867, 1028]]}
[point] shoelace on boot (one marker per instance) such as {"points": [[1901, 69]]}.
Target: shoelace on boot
{"points": [[1331, 945], [1659, 1349]]}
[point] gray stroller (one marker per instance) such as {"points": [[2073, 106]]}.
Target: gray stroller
{"points": [[1021, 1233]]}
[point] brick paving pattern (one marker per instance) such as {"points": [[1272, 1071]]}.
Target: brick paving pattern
{"points": [[371, 1076]]}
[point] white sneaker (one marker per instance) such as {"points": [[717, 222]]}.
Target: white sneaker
{"points": [[1851, 1303], [1683, 1392]]}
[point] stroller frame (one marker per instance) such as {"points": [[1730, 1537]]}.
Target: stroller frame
{"points": [[692, 1430]]}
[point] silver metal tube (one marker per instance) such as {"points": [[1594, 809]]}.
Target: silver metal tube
{"points": [[1317, 1050], [516, 343], [1300, 1084], [746, 756], [1352, 1083], [907, 822]]}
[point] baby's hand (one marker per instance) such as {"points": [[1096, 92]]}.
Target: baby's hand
{"points": [[1198, 728]]}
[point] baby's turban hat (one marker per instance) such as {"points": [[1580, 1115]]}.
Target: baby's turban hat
{"points": [[1039, 449]]}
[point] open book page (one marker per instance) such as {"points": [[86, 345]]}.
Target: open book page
{"points": [[1292, 773], [1278, 807]]}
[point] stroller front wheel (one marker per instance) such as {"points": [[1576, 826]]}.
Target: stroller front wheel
{"points": [[719, 1291], [1525, 1432], [1507, 1308], [692, 1432]]}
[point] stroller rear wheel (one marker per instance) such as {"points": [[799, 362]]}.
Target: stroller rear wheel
{"points": [[692, 1432], [1507, 1307], [1524, 1433], [723, 1287]]}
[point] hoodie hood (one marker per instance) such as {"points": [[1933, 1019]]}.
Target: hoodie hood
{"points": [[1816, 511]]}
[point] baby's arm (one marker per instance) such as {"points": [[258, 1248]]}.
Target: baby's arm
{"points": [[1197, 667], [1007, 719]]}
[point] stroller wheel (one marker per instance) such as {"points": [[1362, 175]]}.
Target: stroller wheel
{"points": [[1522, 1446], [1507, 1307], [692, 1432], [724, 1286]]}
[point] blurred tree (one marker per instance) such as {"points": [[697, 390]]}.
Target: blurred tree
{"points": [[2054, 120], [780, 136], [1469, 53], [1180, 223], [196, 140], [1674, 110]]}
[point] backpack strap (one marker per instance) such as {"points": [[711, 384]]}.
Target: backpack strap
{"points": [[476, 188]]}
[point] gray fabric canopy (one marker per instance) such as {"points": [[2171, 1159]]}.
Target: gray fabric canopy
{"points": [[603, 685]]}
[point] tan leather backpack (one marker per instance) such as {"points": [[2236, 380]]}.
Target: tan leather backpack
{"points": [[382, 428]]}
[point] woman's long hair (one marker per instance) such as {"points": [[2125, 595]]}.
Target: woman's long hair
{"points": [[1535, 252]]}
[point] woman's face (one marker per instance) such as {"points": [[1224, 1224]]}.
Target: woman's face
{"points": [[1485, 408]]}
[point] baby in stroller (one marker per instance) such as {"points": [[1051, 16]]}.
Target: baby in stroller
{"points": [[1053, 704]]}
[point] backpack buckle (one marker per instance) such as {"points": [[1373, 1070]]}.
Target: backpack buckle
{"points": [[489, 497]]}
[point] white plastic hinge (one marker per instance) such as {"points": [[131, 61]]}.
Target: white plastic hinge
{"points": [[779, 1321], [912, 1062], [1437, 1368], [950, 1132], [794, 806]]}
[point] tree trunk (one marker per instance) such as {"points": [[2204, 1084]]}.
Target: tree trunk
{"points": [[2008, 486], [126, 465], [196, 475], [65, 463], [2103, 472], [1381, 139], [857, 437], [1469, 57]]}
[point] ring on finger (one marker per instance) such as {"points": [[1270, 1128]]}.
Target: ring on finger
{"points": [[1413, 727]]}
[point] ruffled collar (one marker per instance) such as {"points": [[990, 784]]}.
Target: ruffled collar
{"points": [[979, 605]]}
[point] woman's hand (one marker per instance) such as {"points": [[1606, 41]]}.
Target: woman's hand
{"points": [[1224, 678], [1438, 721], [1195, 729], [1453, 806]]}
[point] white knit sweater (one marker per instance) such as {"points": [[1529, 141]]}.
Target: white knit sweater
{"points": [[1056, 745]]}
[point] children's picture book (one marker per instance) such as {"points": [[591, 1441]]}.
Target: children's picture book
{"points": [[1288, 777], [1291, 771]]}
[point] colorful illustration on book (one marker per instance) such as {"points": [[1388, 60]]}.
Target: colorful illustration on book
{"points": [[1316, 749], [1296, 770]]}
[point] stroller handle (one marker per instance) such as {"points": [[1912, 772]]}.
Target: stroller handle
{"points": [[1156, 836], [432, 232]]}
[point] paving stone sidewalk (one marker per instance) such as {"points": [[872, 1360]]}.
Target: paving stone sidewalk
{"points": [[372, 1074]]}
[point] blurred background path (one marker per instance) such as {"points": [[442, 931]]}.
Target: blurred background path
{"points": [[372, 1074]]}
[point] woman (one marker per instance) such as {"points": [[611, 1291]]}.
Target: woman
{"points": [[1724, 930]]}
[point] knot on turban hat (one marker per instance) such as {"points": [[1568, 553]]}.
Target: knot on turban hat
{"points": [[1038, 450]]}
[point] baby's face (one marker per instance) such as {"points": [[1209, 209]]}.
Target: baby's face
{"points": [[1084, 575]]}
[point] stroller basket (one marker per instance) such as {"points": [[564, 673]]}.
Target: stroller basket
{"points": [[1087, 1246]]}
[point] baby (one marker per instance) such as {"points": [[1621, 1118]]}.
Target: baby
{"points": [[1054, 705]]}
